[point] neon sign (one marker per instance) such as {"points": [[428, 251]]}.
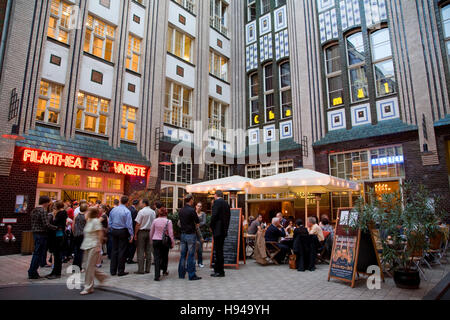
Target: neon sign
{"points": [[77, 162], [387, 160]]}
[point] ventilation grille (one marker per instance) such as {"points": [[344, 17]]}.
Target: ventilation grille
{"points": [[430, 159], [5, 166]]}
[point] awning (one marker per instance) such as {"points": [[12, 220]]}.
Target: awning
{"points": [[233, 183]]}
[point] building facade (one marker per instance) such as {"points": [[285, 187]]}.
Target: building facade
{"points": [[103, 98]]}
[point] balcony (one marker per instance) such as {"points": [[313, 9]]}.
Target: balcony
{"points": [[216, 23]]}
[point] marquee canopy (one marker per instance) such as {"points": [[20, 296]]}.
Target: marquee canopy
{"points": [[233, 183]]}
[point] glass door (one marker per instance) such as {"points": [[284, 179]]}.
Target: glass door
{"points": [[53, 194]]}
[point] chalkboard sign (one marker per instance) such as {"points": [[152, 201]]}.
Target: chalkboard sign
{"points": [[353, 251], [233, 248]]}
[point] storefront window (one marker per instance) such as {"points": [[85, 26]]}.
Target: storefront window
{"points": [[181, 195], [94, 182], [166, 198], [47, 177], [71, 180], [387, 162], [114, 184], [110, 199], [350, 166]]}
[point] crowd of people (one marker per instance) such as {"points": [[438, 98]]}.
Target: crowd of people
{"points": [[87, 232], [290, 236]]}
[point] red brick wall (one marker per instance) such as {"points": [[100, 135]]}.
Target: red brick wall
{"points": [[19, 182]]}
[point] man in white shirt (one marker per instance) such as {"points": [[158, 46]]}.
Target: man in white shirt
{"points": [[144, 220]]}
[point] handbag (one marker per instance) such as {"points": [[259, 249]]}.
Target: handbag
{"points": [[166, 241], [292, 261]]}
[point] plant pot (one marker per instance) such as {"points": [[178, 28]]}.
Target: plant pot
{"points": [[407, 279]]}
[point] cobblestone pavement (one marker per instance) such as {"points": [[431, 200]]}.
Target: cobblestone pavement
{"points": [[247, 283]]}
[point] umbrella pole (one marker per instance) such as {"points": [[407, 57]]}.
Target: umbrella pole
{"points": [[306, 204]]}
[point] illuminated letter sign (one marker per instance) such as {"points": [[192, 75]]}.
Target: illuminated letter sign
{"points": [[77, 162], [387, 160]]}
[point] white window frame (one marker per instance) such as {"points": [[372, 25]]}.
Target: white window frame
{"points": [[184, 120], [189, 5], [219, 16], [126, 121], [51, 86], [96, 115], [265, 4], [223, 74], [184, 36], [180, 161], [251, 4], [60, 28], [131, 52], [333, 74], [446, 36], [104, 37], [215, 170], [215, 120]]}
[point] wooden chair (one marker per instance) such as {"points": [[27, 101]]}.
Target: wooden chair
{"points": [[272, 250]]}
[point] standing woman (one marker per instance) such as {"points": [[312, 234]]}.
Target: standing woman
{"points": [[161, 226], [58, 241], [78, 228], [202, 217], [92, 242]]}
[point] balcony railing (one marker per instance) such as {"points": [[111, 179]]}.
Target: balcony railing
{"points": [[216, 23]]}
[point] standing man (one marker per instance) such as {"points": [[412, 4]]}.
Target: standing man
{"points": [[40, 227], [144, 222], [188, 224], [121, 225], [220, 220], [132, 245]]}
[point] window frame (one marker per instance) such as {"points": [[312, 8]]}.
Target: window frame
{"points": [[254, 98], [380, 61], [269, 92], [172, 37], [126, 120], [105, 37], [100, 113], [215, 121], [51, 86], [183, 118], [285, 89], [131, 53], [58, 18], [356, 66], [212, 65], [333, 74]]}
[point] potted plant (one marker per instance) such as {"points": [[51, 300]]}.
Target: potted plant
{"points": [[406, 219]]}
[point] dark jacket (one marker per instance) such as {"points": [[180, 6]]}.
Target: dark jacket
{"points": [[220, 219], [134, 213], [188, 220], [60, 220], [274, 234], [301, 239]]}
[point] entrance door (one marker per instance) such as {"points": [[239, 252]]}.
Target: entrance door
{"points": [[89, 196]]}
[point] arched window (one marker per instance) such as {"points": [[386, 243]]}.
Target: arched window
{"points": [[333, 72], [285, 90], [357, 67], [382, 62]]}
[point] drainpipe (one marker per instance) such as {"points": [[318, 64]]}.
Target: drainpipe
{"points": [[5, 34]]}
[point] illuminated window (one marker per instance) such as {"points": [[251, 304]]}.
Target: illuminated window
{"points": [[128, 129], [114, 184], [92, 114], [133, 53], [357, 69], [387, 162], [254, 98], [285, 90], [382, 62], [219, 16], [269, 98], [45, 177], [71, 180], [217, 119], [110, 199], [333, 68], [49, 102], [99, 38], [178, 102], [94, 182], [350, 165], [218, 65], [166, 198], [179, 44], [58, 24]]}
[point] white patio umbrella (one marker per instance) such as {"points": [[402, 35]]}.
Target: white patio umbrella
{"points": [[301, 180], [233, 183]]}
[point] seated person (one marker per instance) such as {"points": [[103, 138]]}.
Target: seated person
{"points": [[314, 229], [290, 228], [273, 234], [283, 221], [253, 229], [325, 225]]}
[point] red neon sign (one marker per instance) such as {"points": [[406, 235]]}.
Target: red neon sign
{"points": [[77, 162]]}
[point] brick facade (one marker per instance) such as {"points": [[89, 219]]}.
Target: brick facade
{"points": [[20, 182]]}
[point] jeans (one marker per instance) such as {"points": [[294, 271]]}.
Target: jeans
{"points": [[78, 257], [40, 247], [187, 244], [199, 251], [161, 253], [57, 256]]}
